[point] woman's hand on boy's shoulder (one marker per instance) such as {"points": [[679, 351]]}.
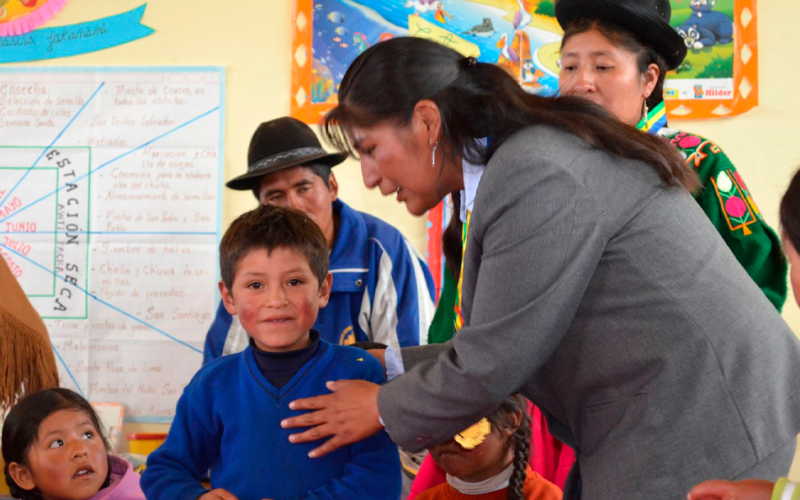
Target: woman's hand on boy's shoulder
{"points": [[751, 489], [348, 415]]}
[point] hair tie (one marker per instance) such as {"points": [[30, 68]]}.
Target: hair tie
{"points": [[471, 61]]}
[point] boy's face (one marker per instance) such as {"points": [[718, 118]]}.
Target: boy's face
{"points": [[276, 297]]}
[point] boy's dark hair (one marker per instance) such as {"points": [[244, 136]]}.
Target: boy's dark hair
{"points": [[21, 428], [790, 212], [319, 169], [269, 227], [520, 440]]}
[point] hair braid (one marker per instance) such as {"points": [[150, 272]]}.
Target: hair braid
{"points": [[521, 440]]}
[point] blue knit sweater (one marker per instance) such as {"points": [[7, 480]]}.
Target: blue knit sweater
{"points": [[228, 420]]}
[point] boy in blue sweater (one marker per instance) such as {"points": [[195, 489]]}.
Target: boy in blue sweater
{"points": [[274, 265]]}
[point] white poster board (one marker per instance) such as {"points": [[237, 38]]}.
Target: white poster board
{"points": [[110, 201]]}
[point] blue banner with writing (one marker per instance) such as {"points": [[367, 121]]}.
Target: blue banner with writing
{"points": [[64, 41]]}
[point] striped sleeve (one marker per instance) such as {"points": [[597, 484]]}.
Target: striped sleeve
{"points": [[402, 301]]}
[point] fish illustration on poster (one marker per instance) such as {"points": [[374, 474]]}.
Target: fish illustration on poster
{"points": [[718, 78], [505, 32]]}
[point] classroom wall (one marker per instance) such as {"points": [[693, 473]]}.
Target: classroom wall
{"points": [[251, 39]]}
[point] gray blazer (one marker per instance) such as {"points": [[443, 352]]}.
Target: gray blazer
{"points": [[611, 302]]}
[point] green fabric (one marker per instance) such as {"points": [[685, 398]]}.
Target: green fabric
{"points": [[780, 488], [443, 324], [727, 202]]}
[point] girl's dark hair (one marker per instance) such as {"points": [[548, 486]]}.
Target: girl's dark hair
{"points": [[21, 428], [520, 441], [476, 100], [621, 37], [790, 212]]}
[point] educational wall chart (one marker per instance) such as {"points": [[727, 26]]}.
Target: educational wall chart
{"points": [[110, 198]]}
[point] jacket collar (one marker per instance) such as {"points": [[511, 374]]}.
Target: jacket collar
{"points": [[350, 262]]}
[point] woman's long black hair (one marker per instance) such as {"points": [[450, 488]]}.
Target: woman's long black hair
{"points": [[476, 100]]}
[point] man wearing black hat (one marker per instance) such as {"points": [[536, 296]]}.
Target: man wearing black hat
{"points": [[382, 289]]}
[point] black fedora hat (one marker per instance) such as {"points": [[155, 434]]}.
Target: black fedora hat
{"points": [[280, 144], [649, 19]]}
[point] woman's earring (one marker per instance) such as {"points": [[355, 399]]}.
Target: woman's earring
{"points": [[433, 154], [645, 109]]}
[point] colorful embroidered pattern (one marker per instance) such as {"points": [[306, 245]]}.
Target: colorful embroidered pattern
{"points": [[737, 206], [735, 202], [728, 204]]}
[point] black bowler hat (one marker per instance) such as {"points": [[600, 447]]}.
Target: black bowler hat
{"points": [[280, 144], [647, 18]]}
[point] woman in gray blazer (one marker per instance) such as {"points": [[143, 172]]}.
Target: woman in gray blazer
{"points": [[658, 359]]}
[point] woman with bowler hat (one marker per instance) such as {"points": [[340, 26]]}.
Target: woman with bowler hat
{"points": [[616, 53]]}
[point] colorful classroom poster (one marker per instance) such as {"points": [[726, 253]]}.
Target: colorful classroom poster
{"points": [[719, 77], [110, 196]]}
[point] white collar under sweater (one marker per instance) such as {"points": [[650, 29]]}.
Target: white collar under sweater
{"points": [[494, 483]]}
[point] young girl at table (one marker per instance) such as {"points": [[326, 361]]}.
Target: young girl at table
{"points": [[53, 448]]}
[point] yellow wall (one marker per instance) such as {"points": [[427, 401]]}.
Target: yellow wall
{"points": [[251, 38]]}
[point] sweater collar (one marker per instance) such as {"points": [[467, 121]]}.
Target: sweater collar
{"points": [[350, 259]]}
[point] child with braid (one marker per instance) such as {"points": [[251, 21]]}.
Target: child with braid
{"points": [[489, 461]]}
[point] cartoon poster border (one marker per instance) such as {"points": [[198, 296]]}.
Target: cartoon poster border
{"points": [[745, 69], [302, 39], [745, 72]]}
